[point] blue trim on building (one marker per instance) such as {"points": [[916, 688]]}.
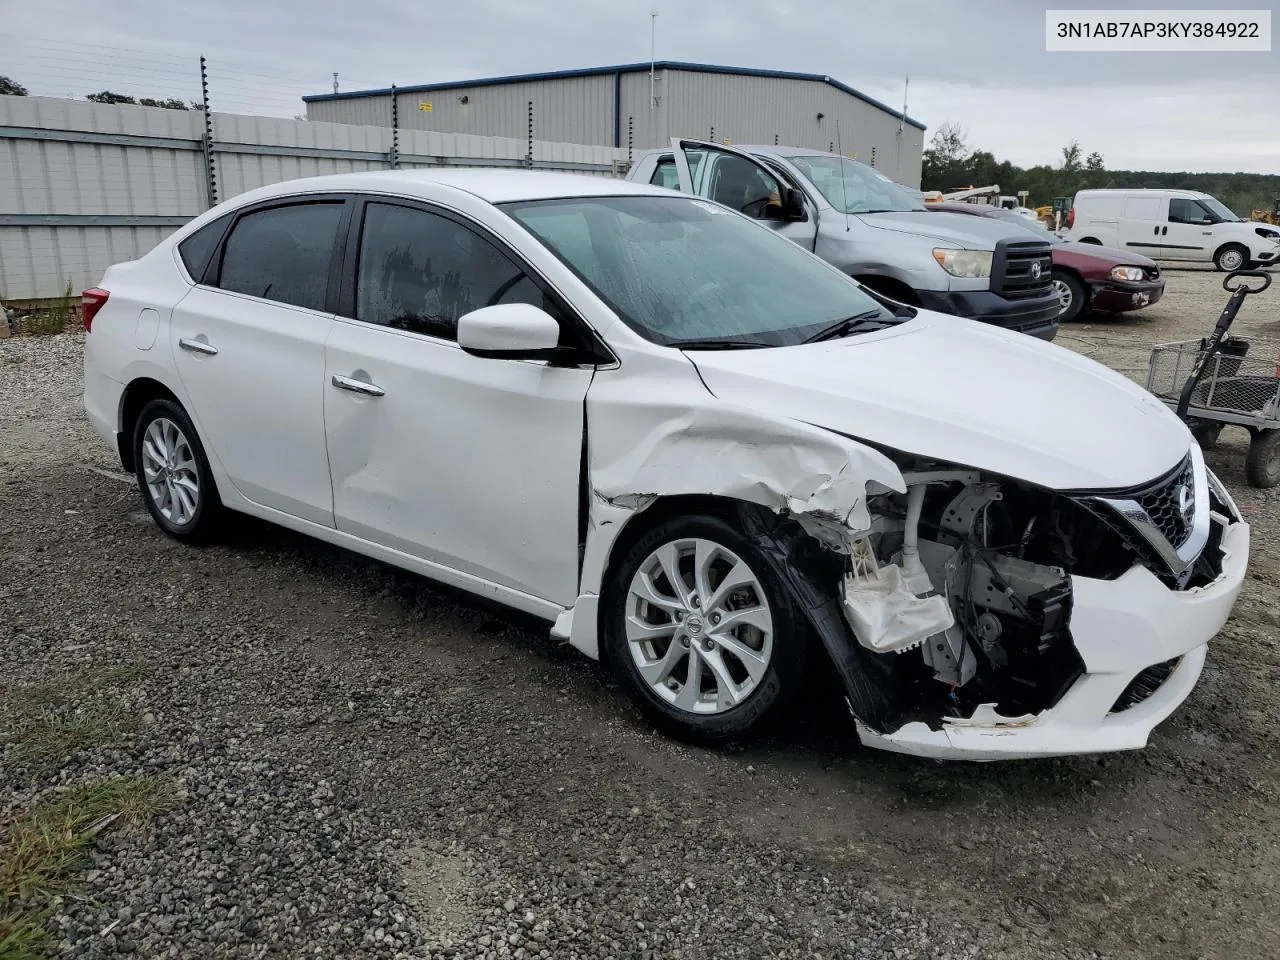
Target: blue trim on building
{"points": [[617, 108], [618, 70]]}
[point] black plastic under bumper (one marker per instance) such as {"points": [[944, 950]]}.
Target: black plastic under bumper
{"points": [[1036, 316]]}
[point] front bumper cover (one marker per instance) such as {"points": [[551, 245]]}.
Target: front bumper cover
{"points": [[1121, 628]]}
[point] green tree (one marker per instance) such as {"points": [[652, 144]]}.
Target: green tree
{"points": [[1071, 157], [106, 96], [11, 88], [1093, 163], [169, 103]]}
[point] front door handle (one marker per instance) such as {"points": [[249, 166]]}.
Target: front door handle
{"points": [[358, 386], [198, 346]]}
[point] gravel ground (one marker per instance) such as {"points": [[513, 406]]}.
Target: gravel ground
{"points": [[371, 767]]}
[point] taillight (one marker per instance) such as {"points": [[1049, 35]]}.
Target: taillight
{"points": [[1071, 218], [91, 301]]}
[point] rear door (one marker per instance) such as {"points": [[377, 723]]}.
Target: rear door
{"points": [[1188, 235], [738, 181], [248, 345], [1143, 222]]}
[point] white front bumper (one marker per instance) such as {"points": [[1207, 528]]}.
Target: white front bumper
{"points": [[1120, 627]]}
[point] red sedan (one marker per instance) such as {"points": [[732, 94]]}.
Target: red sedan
{"points": [[1085, 275]]}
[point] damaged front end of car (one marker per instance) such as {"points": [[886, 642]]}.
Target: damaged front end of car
{"points": [[953, 609]]}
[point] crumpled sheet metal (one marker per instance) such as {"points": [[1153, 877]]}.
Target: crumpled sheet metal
{"points": [[785, 465], [664, 447]]}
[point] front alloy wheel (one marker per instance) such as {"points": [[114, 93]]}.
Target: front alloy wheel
{"points": [[698, 625], [701, 630]]}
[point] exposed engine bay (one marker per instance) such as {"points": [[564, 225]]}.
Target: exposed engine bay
{"points": [[960, 595]]}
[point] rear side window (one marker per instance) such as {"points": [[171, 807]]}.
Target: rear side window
{"points": [[420, 272], [283, 253], [198, 248], [666, 174]]}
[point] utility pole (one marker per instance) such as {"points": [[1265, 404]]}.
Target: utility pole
{"points": [[653, 35]]}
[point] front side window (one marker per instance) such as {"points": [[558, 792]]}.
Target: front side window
{"points": [[420, 272], [853, 187], [680, 269], [742, 185], [283, 253], [1187, 211]]}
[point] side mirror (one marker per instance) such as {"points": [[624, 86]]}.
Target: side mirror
{"points": [[792, 204], [510, 331]]}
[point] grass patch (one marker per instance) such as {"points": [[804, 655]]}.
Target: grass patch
{"points": [[52, 737], [43, 849], [46, 726]]}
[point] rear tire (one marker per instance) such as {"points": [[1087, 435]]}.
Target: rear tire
{"points": [[1262, 466], [1071, 295], [697, 681], [1231, 257], [173, 473]]}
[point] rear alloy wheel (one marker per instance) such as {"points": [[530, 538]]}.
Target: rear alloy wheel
{"points": [[173, 473], [1070, 293], [703, 635], [1231, 258]]}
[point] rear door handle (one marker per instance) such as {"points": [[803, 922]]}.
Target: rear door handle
{"points": [[358, 386], [198, 346]]}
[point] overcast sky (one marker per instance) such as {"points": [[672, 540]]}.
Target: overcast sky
{"points": [[980, 63]]}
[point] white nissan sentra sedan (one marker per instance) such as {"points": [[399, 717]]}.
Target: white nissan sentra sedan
{"points": [[695, 449]]}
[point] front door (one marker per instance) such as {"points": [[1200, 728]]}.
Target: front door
{"points": [[466, 462], [248, 345], [1190, 231], [743, 183]]}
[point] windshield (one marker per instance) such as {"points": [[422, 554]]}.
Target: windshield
{"points": [[679, 269], [1219, 209], [853, 187]]}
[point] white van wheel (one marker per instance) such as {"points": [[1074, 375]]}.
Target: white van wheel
{"points": [[1231, 257]]}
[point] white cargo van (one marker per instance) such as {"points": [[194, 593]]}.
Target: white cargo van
{"points": [[1171, 225]]}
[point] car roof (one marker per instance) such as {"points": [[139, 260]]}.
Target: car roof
{"points": [[494, 186], [1170, 191]]}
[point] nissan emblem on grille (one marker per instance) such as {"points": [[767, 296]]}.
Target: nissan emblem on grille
{"points": [[1186, 504]]}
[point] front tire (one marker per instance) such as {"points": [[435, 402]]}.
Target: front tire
{"points": [[173, 473], [1231, 257], [1071, 295], [701, 632]]}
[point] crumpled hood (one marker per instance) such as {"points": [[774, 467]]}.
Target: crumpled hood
{"points": [[961, 230], [968, 393]]}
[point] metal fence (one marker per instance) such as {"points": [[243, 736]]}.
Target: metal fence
{"points": [[84, 185]]}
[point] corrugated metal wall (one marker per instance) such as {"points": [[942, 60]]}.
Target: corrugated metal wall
{"points": [[755, 110], [574, 110], [85, 185], [744, 109]]}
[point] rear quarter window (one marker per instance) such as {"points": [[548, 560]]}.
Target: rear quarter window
{"points": [[197, 249]]}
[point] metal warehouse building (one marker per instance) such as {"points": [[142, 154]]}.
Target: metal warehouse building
{"points": [[625, 106]]}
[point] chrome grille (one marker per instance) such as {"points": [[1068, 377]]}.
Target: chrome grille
{"points": [[1171, 505]]}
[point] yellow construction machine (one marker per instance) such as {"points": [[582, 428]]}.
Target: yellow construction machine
{"points": [[1271, 216]]}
